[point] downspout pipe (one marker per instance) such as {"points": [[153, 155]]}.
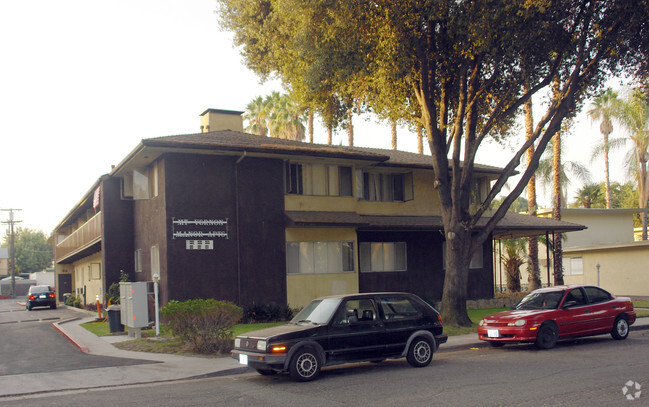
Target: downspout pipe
{"points": [[236, 215]]}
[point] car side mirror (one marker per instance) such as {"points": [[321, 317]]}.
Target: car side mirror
{"points": [[569, 304]]}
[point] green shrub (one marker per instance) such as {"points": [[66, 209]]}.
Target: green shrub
{"points": [[205, 324], [112, 296], [256, 313]]}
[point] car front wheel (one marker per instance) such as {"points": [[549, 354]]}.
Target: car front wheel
{"points": [[305, 365], [420, 352], [620, 328], [547, 336]]}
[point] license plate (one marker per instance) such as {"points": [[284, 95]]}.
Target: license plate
{"points": [[493, 333], [42, 296], [243, 359]]}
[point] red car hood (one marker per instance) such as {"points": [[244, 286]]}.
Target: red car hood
{"points": [[513, 315]]}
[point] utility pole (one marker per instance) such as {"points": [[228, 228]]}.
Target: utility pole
{"points": [[12, 254]]}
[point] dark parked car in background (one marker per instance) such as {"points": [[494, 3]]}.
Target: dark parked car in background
{"points": [[546, 315], [40, 296], [346, 328]]}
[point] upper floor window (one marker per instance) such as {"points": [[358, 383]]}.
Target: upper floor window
{"points": [[318, 179], [142, 183], [380, 186]]}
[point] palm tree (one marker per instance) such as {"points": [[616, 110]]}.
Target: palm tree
{"points": [[420, 139], [589, 195], [604, 108], [393, 131], [534, 271], [257, 116], [577, 171], [513, 258], [634, 117]]}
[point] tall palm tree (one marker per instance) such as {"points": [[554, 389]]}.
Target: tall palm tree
{"points": [[604, 108], [420, 139], [350, 127], [556, 207], [393, 132], [534, 271], [634, 117]]}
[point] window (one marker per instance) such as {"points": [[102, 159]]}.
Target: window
{"points": [[576, 267], [318, 179], [575, 295], [596, 294], [94, 271], [378, 186], [356, 311], [138, 261], [398, 308], [142, 183], [383, 256], [319, 257]]}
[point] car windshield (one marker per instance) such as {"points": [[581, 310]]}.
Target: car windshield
{"points": [[540, 300], [317, 312]]}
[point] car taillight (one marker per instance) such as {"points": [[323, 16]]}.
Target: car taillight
{"points": [[51, 295], [31, 297], [439, 318]]}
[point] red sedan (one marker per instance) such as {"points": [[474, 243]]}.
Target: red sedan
{"points": [[546, 315]]}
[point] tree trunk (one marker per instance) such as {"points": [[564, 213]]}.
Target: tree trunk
{"points": [[310, 124], [643, 191], [330, 134], [533, 269], [556, 175], [607, 182], [458, 257], [420, 139], [350, 129], [393, 128]]}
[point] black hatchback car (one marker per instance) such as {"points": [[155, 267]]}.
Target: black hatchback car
{"points": [[346, 328], [40, 296]]}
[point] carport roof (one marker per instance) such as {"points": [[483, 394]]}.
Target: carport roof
{"points": [[512, 225]]}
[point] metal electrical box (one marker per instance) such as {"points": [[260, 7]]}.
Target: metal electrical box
{"points": [[134, 306]]}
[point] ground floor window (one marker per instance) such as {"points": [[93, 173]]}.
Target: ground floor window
{"points": [[319, 257], [383, 256], [574, 266]]}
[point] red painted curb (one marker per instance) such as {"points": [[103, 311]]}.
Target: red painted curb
{"points": [[69, 337]]}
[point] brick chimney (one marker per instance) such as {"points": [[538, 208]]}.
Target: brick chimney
{"points": [[216, 119]]}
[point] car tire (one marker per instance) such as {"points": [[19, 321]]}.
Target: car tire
{"points": [[420, 353], [53, 306], [547, 336], [267, 372], [620, 328], [495, 344], [29, 307], [305, 365]]}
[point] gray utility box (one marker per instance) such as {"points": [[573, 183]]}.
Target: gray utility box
{"points": [[134, 306]]}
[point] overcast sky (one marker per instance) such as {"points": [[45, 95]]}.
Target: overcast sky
{"points": [[83, 81]]}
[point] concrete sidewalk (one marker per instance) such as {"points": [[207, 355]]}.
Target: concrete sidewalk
{"points": [[165, 367]]}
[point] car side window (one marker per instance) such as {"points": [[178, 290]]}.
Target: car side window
{"points": [[353, 311], [577, 296], [597, 295], [398, 308]]}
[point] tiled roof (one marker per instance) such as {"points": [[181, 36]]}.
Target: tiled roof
{"points": [[512, 224], [228, 140]]}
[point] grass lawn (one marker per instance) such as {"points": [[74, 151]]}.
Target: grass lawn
{"points": [[475, 315]]}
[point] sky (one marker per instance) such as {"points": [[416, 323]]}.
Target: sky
{"points": [[83, 81]]}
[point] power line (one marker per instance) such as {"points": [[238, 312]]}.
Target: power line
{"points": [[12, 255]]}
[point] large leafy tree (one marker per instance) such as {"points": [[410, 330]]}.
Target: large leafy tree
{"points": [[459, 66], [31, 250]]}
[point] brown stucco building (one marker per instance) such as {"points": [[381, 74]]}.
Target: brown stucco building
{"points": [[233, 216]]}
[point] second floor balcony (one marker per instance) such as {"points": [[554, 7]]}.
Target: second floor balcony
{"points": [[81, 240]]}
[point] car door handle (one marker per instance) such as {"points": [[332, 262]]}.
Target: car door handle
{"points": [[614, 307], [587, 311]]}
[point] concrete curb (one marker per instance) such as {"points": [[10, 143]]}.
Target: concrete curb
{"points": [[83, 348]]}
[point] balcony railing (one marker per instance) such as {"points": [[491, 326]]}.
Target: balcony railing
{"points": [[89, 233]]}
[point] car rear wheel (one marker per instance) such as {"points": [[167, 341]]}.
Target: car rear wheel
{"points": [[620, 328], [547, 336], [53, 306], [305, 365], [420, 352]]}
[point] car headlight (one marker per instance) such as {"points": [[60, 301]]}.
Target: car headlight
{"points": [[261, 346], [482, 322], [518, 322], [237, 342]]}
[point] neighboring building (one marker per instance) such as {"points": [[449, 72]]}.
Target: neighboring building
{"points": [[45, 277], [245, 218], [604, 254], [4, 262]]}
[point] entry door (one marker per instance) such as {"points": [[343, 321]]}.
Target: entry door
{"points": [[65, 285]]}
